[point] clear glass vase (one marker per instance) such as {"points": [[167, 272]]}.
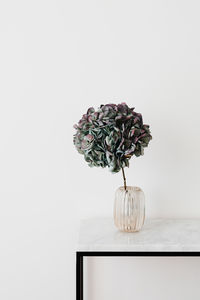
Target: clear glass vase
{"points": [[129, 209]]}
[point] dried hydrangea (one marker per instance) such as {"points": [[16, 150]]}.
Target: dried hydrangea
{"points": [[111, 135]]}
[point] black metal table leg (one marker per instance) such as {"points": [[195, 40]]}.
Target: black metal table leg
{"points": [[79, 276], [80, 256]]}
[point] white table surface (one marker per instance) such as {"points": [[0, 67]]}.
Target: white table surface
{"points": [[100, 234]]}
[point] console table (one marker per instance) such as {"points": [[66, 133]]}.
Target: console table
{"points": [[158, 237]]}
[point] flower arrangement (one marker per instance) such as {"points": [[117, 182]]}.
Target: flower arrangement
{"points": [[110, 136]]}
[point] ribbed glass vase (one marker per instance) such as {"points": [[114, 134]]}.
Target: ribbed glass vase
{"points": [[129, 209]]}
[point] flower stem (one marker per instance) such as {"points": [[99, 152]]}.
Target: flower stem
{"points": [[124, 177]]}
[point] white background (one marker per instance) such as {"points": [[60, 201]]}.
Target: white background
{"points": [[142, 278], [57, 58]]}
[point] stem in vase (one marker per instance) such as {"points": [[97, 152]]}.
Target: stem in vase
{"points": [[124, 177]]}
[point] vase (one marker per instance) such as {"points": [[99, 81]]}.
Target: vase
{"points": [[129, 209]]}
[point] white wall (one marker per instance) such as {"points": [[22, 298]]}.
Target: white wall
{"points": [[57, 58], [142, 278]]}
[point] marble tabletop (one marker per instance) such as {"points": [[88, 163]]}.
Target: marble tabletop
{"points": [[100, 234]]}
